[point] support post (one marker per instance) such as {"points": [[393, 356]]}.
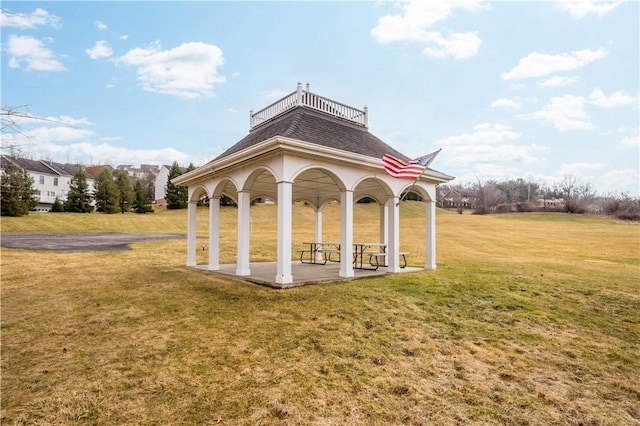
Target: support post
{"points": [[393, 247], [346, 234], [430, 237], [214, 234], [318, 231], [285, 200], [244, 227], [191, 233], [384, 227]]}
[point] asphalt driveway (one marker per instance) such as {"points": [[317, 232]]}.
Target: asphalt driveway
{"points": [[102, 241]]}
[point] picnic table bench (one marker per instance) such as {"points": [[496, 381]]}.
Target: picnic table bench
{"points": [[376, 253]]}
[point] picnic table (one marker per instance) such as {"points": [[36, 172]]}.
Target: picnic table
{"points": [[326, 249], [365, 255], [375, 251]]}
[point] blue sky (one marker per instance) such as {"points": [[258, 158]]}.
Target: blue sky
{"points": [[538, 90]]}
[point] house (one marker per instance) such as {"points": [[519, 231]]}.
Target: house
{"points": [[551, 203], [160, 185], [309, 148], [459, 198], [51, 180]]}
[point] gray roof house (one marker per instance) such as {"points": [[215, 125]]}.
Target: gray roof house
{"points": [[50, 179]]}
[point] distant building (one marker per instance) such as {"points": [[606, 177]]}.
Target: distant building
{"points": [[51, 180], [161, 185], [551, 203]]}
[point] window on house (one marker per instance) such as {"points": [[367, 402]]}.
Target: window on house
{"points": [[55, 181], [41, 180]]}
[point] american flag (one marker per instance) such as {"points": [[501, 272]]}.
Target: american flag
{"points": [[412, 169]]}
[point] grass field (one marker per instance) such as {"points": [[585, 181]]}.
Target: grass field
{"points": [[530, 319]]}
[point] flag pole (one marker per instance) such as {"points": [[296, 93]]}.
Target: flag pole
{"points": [[410, 188], [432, 156]]}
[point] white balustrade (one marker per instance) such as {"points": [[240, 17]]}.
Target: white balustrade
{"points": [[310, 100]]}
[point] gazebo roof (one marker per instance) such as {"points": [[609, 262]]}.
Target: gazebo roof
{"points": [[303, 121], [305, 124]]}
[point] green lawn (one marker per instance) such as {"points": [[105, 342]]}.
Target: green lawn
{"points": [[530, 319]]}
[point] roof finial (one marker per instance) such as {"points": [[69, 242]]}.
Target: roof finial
{"points": [[307, 86]]}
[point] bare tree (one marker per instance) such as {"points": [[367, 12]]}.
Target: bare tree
{"points": [[10, 126], [576, 194]]}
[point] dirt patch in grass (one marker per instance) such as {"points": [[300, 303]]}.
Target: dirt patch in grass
{"points": [[102, 241]]}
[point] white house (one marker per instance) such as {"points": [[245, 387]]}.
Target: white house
{"points": [[51, 180], [160, 184]]}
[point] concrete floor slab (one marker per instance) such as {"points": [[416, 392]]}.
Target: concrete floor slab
{"points": [[264, 273]]}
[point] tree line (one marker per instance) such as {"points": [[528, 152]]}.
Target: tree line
{"points": [[112, 192], [568, 195]]}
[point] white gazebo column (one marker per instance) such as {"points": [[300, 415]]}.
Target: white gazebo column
{"points": [[244, 229], [191, 233], [285, 200], [384, 229], [214, 234], [346, 234], [318, 233], [430, 231], [393, 245]]}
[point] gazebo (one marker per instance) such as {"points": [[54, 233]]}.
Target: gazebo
{"points": [[305, 147]]}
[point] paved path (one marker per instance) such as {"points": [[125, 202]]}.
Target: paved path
{"points": [[101, 241]]}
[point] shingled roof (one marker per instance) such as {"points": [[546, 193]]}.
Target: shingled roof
{"points": [[304, 124], [42, 166]]}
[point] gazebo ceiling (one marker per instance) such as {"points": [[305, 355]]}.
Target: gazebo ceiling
{"points": [[313, 186]]}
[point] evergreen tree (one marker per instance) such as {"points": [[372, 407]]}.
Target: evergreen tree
{"points": [[142, 204], [18, 194], [106, 193], [57, 206], [78, 198], [126, 196], [176, 195], [149, 184]]}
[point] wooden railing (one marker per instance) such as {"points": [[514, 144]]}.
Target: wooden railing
{"points": [[310, 100]]}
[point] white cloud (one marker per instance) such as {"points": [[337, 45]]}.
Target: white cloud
{"points": [[57, 133], [483, 133], [124, 37], [187, 71], [486, 153], [276, 93], [232, 110], [540, 64], [418, 16], [30, 50], [564, 113], [631, 140], [620, 181], [101, 26], [597, 97], [580, 9], [506, 103], [100, 50], [456, 45], [70, 121], [90, 153], [65, 142], [578, 169], [26, 21], [488, 143], [557, 81]]}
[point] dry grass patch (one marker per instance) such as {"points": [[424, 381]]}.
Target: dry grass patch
{"points": [[529, 320]]}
